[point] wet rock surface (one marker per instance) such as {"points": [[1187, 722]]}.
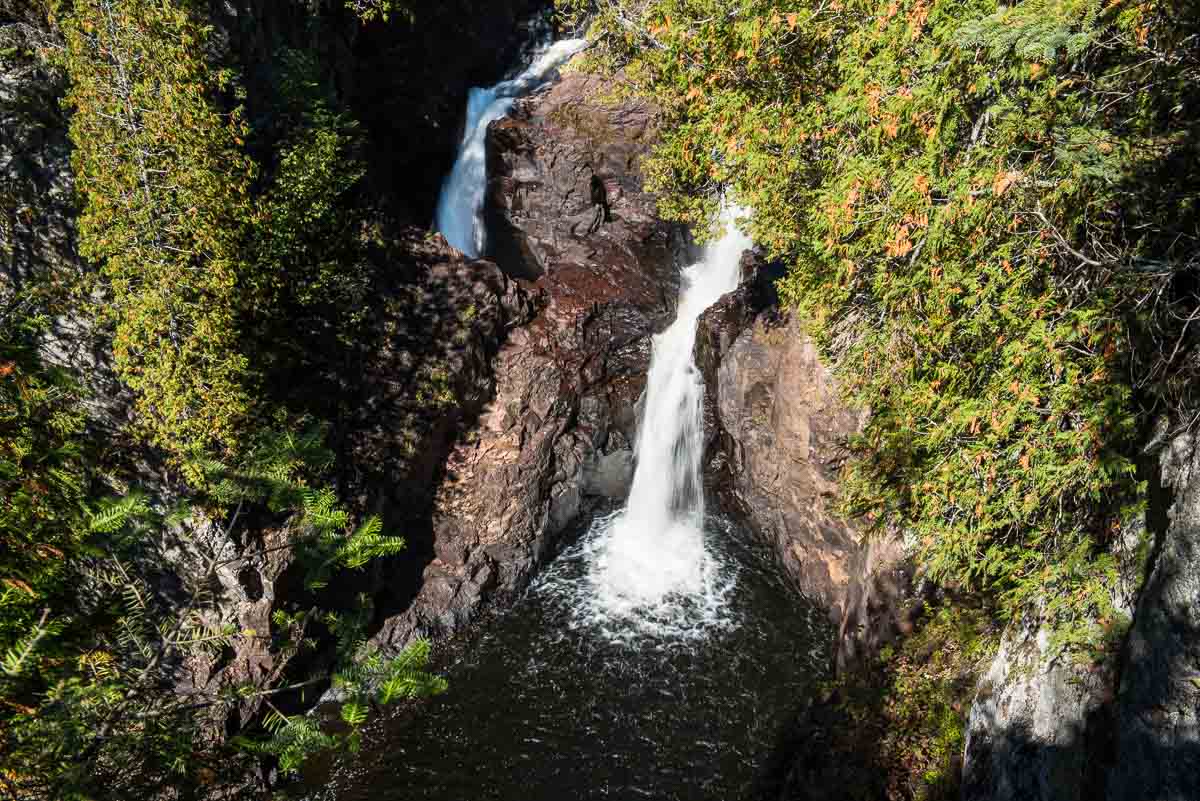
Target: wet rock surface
{"points": [[557, 434]]}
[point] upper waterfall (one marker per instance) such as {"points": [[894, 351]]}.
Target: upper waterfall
{"points": [[460, 206]]}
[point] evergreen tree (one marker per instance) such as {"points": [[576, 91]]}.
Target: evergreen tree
{"points": [[166, 185], [985, 210]]}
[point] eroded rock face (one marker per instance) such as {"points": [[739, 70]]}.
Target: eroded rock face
{"points": [[778, 427], [252, 585], [557, 435], [1157, 754], [429, 371], [1034, 730], [779, 406], [540, 214]]}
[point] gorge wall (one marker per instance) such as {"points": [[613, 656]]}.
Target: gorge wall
{"points": [[496, 402], [778, 429], [1123, 725], [1041, 725]]}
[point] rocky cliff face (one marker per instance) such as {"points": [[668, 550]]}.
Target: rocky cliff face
{"points": [[1157, 715], [556, 436], [1045, 727], [778, 428], [1037, 724], [429, 372], [1040, 724]]}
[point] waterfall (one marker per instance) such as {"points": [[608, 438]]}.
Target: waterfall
{"points": [[460, 206], [648, 567]]}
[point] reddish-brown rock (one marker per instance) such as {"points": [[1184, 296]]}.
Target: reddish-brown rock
{"points": [[556, 436]]}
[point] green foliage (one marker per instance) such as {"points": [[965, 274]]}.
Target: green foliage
{"points": [[982, 208], [94, 714], [212, 263], [166, 188], [43, 476], [326, 546], [909, 709], [931, 680], [369, 679], [208, 263], [307, 245], [371, 10]]}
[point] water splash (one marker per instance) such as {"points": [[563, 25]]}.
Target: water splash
{"points": [[460, 206], [649, 566]]}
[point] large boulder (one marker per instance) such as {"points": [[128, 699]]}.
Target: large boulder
{"points": [[1040, 726]]}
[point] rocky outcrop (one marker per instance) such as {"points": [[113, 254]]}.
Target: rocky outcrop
{"points": [[778, 429], [556, 436], [428, 373], [251, 583], [1036, 724], [1041, 725], [786, 425], [1157, 717]]}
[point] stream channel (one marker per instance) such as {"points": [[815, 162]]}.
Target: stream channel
{"points": [[660, 654]]}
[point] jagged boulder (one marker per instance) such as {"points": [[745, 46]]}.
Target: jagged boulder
{"points": [[1157, 716], [1041, 722]]}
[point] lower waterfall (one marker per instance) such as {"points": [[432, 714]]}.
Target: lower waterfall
{"points": [[649, 567], [661, 652]]}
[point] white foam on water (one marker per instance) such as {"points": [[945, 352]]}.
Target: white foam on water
{"points": [[648, 569]]}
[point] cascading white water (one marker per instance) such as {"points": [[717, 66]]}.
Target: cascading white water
{"points": [[460, 206], [648, 566]]}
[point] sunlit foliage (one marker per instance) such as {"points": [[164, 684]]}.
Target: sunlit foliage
{"points": [[989, 217]]}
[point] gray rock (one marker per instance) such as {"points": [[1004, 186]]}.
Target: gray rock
{"points": [[1030, 735], [1158, 706], [1040, 726], [609, 475]]}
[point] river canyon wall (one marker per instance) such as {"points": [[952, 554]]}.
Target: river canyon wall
{"points": [[555, 438], [497, 402]]}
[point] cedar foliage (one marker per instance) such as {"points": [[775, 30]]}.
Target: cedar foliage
{"points": [[989, 215], [166, 188], [214, 246]]}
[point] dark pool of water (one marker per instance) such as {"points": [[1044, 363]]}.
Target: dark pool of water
{"points": [[542, 707]]}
